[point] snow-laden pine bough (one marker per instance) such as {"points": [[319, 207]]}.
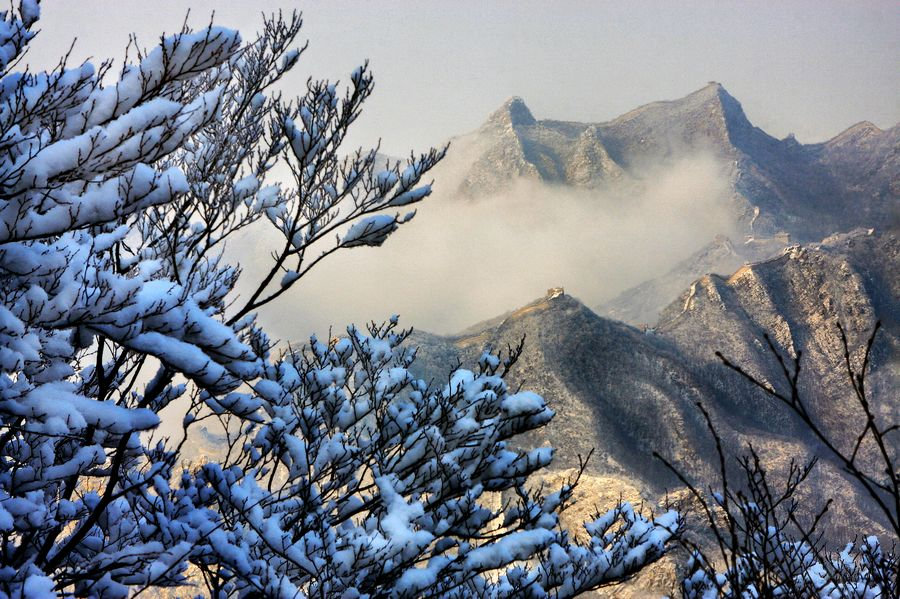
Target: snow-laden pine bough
{"points": [[344, 476]]}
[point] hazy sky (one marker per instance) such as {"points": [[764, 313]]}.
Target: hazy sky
{"points": [[812, 68]]}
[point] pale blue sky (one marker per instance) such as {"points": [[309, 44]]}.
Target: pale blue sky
{"points": [[812, 68]]}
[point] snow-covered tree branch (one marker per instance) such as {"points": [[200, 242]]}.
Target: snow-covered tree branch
{"points": [[343, 475]]}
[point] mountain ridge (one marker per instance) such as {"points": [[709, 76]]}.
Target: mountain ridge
{"points": [[629, 393], [777, 185]]}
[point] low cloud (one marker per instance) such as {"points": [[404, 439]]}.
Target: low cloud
{"points": [[461, 261]]}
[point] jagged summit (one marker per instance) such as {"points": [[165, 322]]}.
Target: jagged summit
{"points": [[855, 133], [591, 154], [717, 91], [711, 96], [513, 112], [867, 126], [778, 185]]}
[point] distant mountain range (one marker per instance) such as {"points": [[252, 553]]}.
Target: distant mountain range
{"points": [[780, 191], [778, 186]]}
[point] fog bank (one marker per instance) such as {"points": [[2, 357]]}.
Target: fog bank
{"points": [[462, 261]]}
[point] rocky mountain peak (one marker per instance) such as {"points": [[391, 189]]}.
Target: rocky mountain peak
{"points": [[855, 134], [513, 113], [555, 304], [778, 186], [729, 107], [867, 127], [711, 99], [713, 90]]}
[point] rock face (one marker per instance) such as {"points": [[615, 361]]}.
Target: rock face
{"points": [[777, 186], [628, 393], [798, 298]]}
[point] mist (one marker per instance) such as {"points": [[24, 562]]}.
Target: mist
{"points": [[462, 261]]}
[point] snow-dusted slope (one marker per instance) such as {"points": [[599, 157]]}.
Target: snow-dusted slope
{"points": [[798, 298], [627, 393]]}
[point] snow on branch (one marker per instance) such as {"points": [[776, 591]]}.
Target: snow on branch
{"points": [[339, 472]]}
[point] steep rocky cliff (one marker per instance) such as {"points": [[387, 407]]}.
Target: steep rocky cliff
{"points": [[797, 298]]}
